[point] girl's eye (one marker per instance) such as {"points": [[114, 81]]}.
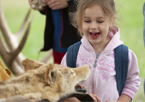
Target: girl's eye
{"points": [[87, 21], [100, 21]]}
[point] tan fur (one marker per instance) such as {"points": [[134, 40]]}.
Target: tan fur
{"points": [[44, 81], [29, 64], [4, 73], [37, 4]]}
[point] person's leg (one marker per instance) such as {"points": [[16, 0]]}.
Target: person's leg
{"points": [[57, 57], [61, 55]]}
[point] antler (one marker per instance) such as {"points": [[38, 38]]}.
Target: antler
{"points": [[10, 48], [11, 53]]}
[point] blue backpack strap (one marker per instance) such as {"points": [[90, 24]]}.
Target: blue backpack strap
{"points": [[72, 53], [121, 66]]}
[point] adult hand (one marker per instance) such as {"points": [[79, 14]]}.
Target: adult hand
{"points": [[56, 4], [95, 98]]}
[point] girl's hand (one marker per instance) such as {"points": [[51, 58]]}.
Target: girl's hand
{"points": [[95, 98], [56, 4]]}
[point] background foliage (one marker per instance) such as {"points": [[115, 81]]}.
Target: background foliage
{"points": [[130, 23]]}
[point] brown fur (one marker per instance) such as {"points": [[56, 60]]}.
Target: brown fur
{"points": [[44, 81]]}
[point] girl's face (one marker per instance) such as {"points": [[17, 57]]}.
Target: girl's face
{"points": [[95, 25]]}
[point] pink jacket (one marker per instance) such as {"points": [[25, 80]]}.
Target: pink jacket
{"points": [[102, 80]]}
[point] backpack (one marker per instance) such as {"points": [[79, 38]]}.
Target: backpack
{"points": [[121, 62]]}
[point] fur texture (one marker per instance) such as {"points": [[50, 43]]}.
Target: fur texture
{"points": [[37, 4], [4, 73], [44, 81]]}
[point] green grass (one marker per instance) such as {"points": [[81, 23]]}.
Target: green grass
{"points": [[131, 28]]}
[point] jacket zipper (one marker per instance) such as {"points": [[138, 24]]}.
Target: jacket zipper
{"points": [[95, 63]]}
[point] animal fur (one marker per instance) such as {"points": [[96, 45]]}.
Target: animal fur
{"points": [[37, 4], [44, 81], [4, 73]]}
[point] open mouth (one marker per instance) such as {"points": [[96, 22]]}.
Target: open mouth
{"points": [[81, 90], [94, 35]]}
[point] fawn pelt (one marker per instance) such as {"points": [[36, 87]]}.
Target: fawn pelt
{"points": [[44, 81]]}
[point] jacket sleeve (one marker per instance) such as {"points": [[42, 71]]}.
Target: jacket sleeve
{"points": [[69, 2], [72, 5], [133, 81], [44, 10]]}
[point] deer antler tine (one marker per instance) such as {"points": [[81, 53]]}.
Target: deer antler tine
{"points": [[47, 57], [10, 48], [3, 51], [3, 24], [21, 45], [21, 30]]}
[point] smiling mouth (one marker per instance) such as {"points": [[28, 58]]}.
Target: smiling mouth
{"points": [[94, 35]]}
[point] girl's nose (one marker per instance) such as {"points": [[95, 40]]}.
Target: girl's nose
{"points": [[93, 26]]}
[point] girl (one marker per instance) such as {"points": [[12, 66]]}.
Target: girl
{"points": [[95, 20]]}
